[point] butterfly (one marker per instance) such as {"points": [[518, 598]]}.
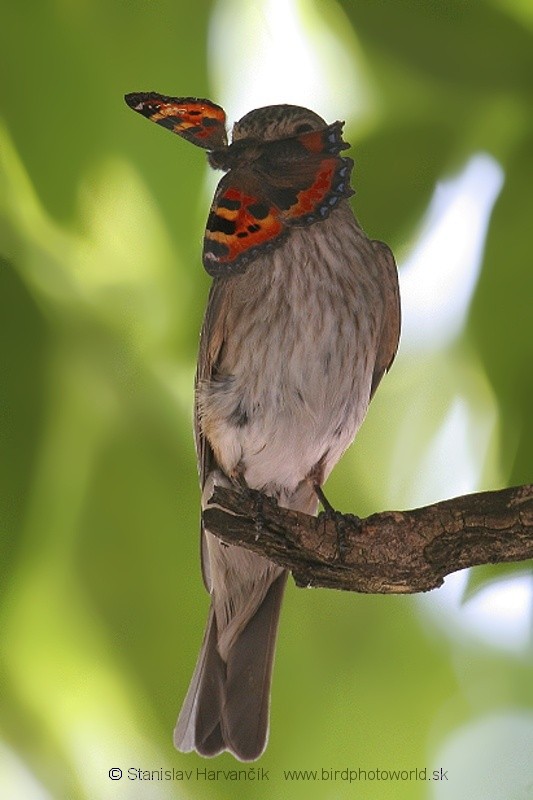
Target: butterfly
{"points": [[270, 185]]}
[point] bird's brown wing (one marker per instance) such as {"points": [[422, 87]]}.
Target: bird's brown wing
{"points": [[211, 342], [390, 332]]}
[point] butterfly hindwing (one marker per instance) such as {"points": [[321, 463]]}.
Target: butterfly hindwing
{"points": [[315, 191], [199, 121], [241, 224], [305, 176]]}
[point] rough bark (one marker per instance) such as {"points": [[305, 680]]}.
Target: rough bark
{"points": [[389, 552]]}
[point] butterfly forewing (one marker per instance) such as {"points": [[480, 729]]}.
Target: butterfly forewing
{"points": [[199, 121]]}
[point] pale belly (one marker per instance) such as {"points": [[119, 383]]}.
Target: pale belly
{"points": [[293, 384]]}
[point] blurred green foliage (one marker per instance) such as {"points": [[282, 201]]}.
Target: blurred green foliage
{"points": [[102, 293]]}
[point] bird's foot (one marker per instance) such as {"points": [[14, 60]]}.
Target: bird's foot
{"points": [[340, 520]]}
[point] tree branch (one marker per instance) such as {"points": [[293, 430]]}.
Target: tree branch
{"points": [[389, 552]]}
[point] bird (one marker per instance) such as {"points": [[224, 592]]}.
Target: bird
{"points": [[302, 322]]}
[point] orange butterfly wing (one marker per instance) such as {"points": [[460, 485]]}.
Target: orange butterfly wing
{"points": [[199, 121]]}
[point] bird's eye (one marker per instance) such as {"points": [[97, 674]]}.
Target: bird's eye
{"points": [[303, 127]]}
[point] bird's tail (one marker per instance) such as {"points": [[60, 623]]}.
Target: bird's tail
{"points": [[227, 705]]}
